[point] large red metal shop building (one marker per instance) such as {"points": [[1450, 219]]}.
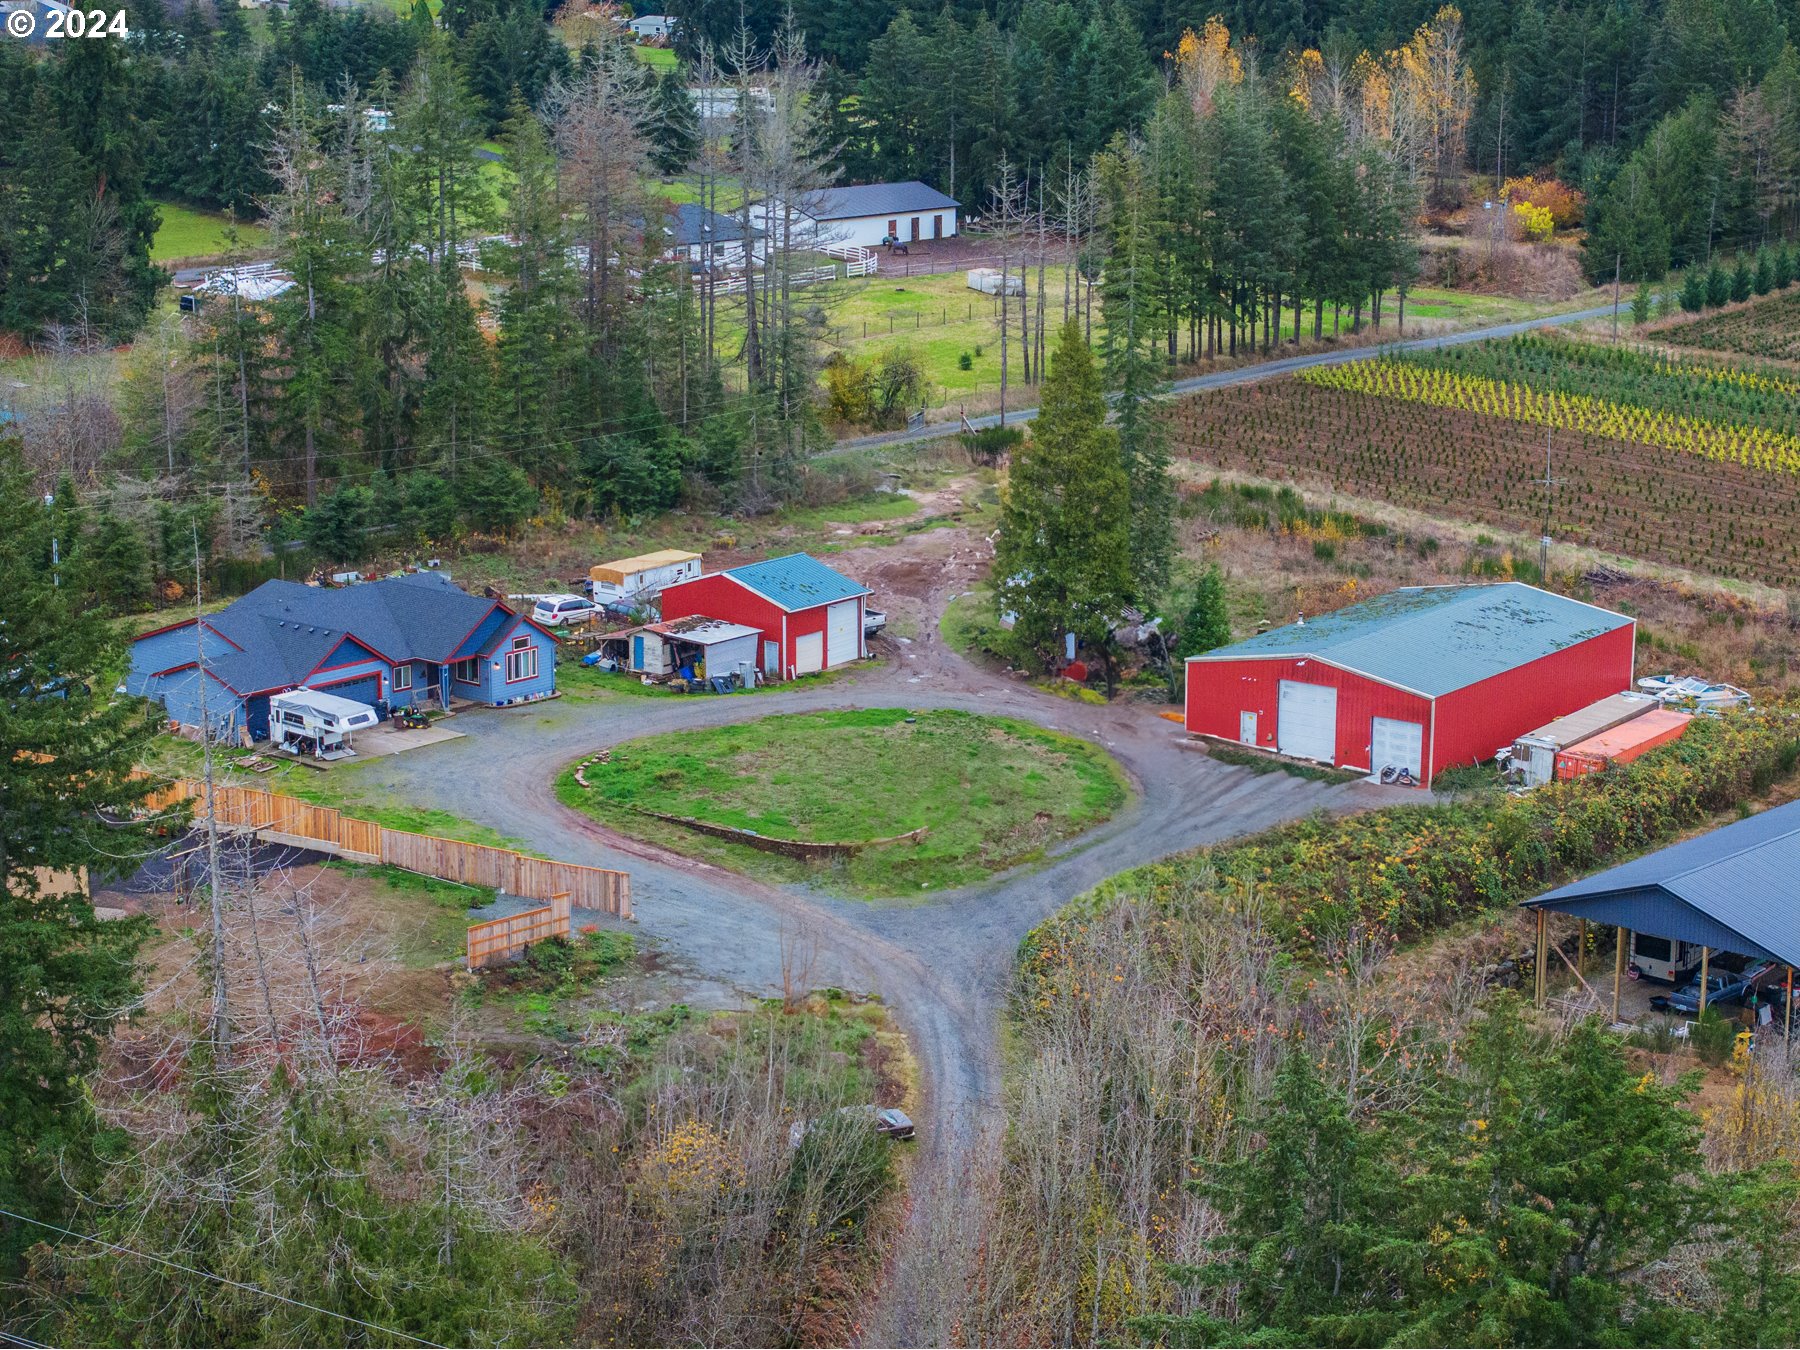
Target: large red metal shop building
{"points": [[1422, 678]]}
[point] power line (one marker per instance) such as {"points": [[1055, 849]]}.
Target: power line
{"points": [[208, 1275], [25, 1342]]}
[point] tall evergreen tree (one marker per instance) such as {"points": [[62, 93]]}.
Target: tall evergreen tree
{"points": [[68, 757], [675, 128], [1133, 323], [1064, 549]]}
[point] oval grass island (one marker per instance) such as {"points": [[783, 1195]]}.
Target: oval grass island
{"points": [[988, 793]]}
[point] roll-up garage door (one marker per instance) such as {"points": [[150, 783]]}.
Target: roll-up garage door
{"points": [[1306, 723], [364, 690], [809, 653], [842, 633], [1397, 744]]}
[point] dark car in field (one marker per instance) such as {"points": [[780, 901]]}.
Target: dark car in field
{"points": [[1723, 989]]}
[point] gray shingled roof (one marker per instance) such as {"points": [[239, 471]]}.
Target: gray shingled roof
{"points": [[798, 581], [685, 221], [1731, 888], [875, 199], [1435, 639], [286, 629]]}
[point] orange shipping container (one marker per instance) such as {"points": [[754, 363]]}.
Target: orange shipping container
{"points": [[1622, 743]]}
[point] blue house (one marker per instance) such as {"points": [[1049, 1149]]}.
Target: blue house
{"points": [[410, 639]]}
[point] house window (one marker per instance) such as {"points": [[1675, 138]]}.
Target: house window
{"points": [[521, 661], [402, 678], [467, 671]]}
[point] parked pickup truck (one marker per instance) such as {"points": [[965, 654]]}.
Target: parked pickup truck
{"points": [[874, 620], [1722, 989]]}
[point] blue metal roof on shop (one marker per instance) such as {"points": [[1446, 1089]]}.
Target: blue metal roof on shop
{"points": [[1731, 888], [1435, 639], [798, 581]]}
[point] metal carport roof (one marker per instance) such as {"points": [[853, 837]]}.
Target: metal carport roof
{"points": [[1736, 888]]}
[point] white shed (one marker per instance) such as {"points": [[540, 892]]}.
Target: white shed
{"points": [[869, 215]]}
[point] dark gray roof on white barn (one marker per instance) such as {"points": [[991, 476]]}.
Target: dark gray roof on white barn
{"points": [[875, 199]]}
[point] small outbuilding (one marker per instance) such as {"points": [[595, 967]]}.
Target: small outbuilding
{"points": [[1419, 679], [809, 617], [873, 214], [630, 581]]}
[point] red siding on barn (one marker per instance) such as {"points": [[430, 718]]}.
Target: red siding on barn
{"points": [[1475, 721], [717, 596], [1462, 727], [1218, 691]]}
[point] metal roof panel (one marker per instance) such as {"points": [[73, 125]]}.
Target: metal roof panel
{"points": [[798, 581], [1436, 639]]}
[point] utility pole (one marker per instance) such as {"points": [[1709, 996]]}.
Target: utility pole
{"points": [[55, 543], [221, 1019], [1615, 294]]}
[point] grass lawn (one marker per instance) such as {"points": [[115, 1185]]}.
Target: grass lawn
{"points": [[992, 792], [658, 58], [429, 919], [187, 233]]}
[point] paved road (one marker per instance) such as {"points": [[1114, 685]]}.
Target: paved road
{"points": [[1268, 370]]}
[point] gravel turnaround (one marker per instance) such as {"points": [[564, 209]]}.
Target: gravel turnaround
{"points": [[941, 962]]}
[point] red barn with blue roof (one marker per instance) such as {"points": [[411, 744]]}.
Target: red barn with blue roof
{"points": [[810, 615], [1421, 678]]}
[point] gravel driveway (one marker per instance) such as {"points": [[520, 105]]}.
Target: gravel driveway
{"points": [[941, 964]]}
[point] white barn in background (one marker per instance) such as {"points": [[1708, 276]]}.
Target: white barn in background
{"points": [[868, 216]]}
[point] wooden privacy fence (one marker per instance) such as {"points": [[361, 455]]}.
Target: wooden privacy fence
{"points": [[330, 830], [502, 939]]}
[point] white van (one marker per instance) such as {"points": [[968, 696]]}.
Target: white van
{"points": [[553, 611]]}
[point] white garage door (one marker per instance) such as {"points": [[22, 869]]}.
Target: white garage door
{"points": [[1306, 721], [1400, 744], [843, 629], [809, 653]]}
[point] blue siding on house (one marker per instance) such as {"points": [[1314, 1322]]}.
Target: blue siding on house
{"points": [[173, 648], [349, 652], [494, 687], [179, 690], [404, 698], [179, 694], [483, 636]]}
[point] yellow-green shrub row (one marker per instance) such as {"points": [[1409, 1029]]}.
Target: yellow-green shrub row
{"points": [[1753, 447]]}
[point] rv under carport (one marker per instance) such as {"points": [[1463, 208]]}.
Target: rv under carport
{"points": [[1731, 890]]}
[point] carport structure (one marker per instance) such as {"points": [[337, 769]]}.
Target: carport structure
{"points": [[1734, 889]]}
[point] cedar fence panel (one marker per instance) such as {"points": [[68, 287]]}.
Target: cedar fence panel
{"points": [[449, 859], [500, 939]]}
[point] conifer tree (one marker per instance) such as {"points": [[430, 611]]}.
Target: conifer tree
{"points": [[1133, 323], [68, 757], [675, 127], [1207, 623], [1064, 551]]}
